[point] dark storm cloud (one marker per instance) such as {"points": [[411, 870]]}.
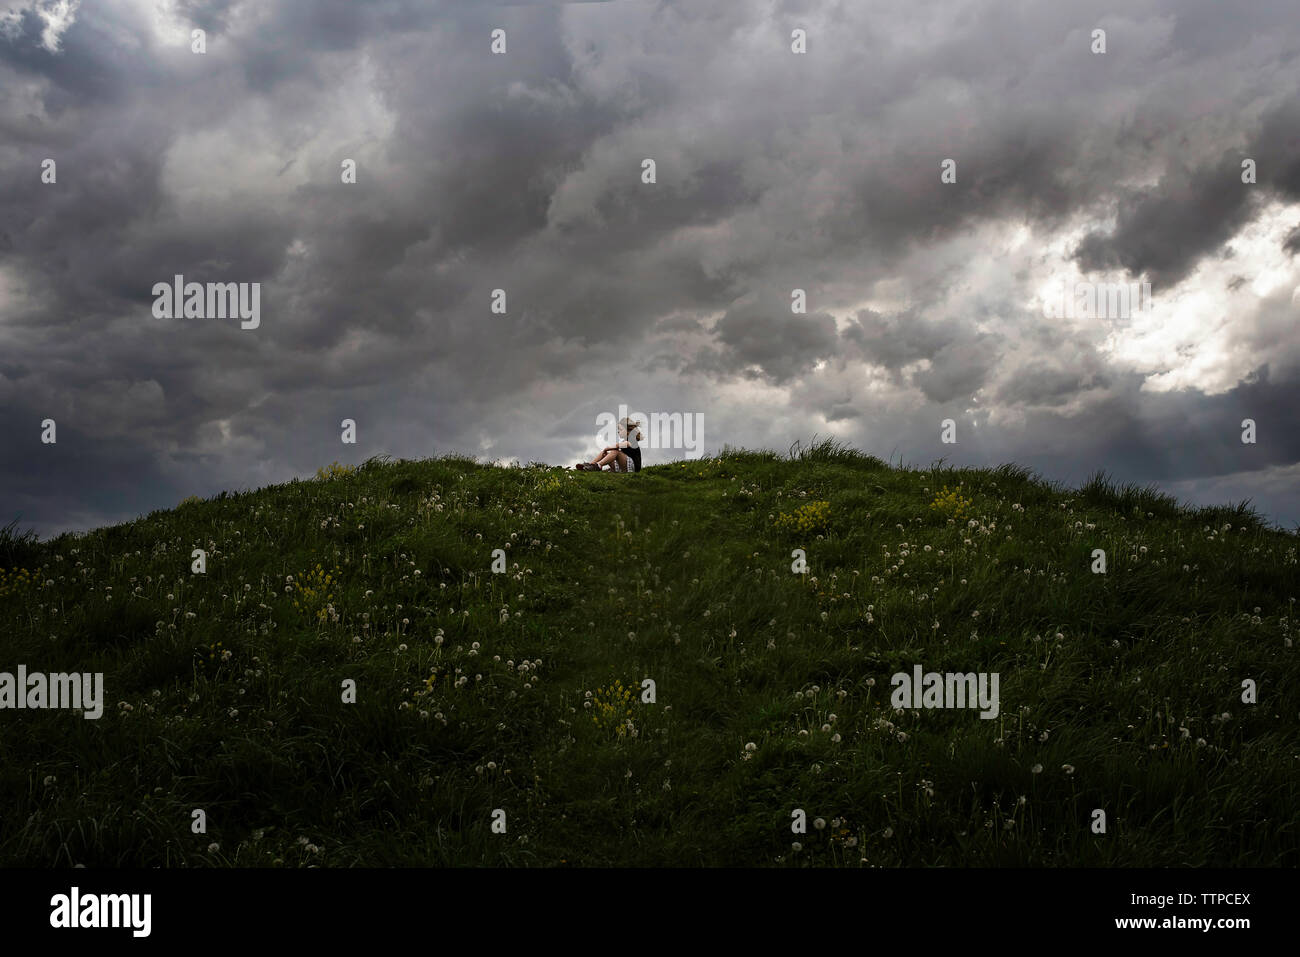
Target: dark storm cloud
{"points": [[755, 342], [958, 358], [899, 339], [1048, 383], [1164, 439], [1292, 243], [523, 172], [1164, 231]]}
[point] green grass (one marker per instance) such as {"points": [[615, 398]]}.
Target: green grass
{"points": [[224, 690]]}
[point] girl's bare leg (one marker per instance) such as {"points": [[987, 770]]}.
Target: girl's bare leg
{"points": [[622, 461], [607, 458]]}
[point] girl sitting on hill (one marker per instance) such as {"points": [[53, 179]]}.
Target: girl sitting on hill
{"points": [[623, 457]]}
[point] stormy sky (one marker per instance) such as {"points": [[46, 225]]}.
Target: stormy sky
{"points": [[523, 171]]}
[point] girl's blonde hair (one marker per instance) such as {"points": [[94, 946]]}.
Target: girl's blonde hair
{"points": [[629, 424]]}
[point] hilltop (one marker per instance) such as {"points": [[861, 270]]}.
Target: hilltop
{"points": [[521, 690]]}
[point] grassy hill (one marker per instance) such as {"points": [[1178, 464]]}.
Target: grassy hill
{"points": [[522, 690]]}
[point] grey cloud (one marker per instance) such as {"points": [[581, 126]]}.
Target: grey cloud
{"points": [[1164, 231], [755, 341]]}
